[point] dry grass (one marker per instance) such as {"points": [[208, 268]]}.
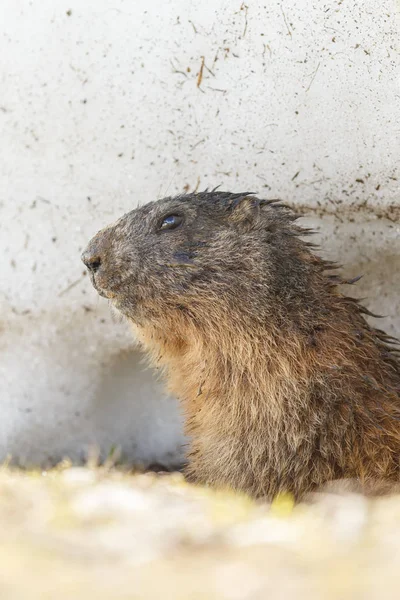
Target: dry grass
{"points": [[82, 533]]}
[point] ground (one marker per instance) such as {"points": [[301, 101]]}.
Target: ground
{"points": [[82, 533]]}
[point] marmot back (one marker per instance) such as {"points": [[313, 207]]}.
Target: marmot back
{"points": [[284, 384]]}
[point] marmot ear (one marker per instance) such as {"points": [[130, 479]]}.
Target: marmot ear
{"points": [[245, 212]]}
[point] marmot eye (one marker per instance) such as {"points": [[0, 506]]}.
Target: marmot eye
{"points": [[170, 222]]}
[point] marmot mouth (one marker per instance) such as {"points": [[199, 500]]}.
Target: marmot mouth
{"points": [[102, 292]]}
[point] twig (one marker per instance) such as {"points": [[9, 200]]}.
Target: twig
{"points": [[217, 89], [198, 143], [200, 75], [286, 23], [70, 286], [267, 47], [313, 77], [245, 8], [175, 70], [209, 70], [193, 25]]}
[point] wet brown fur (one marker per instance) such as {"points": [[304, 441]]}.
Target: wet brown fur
{"points": [[284, 384]]}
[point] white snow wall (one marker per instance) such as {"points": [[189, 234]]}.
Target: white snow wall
{"points": [[104, 104]]}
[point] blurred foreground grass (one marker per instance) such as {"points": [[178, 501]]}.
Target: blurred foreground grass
{"points": [[83, 533]]}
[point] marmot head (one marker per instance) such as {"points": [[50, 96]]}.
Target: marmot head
{"points": [[197, 251]]}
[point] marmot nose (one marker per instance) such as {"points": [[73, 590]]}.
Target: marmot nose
{"points": [[92, 260]]}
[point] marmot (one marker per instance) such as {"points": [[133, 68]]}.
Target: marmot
{"points": [[284, 384]]}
